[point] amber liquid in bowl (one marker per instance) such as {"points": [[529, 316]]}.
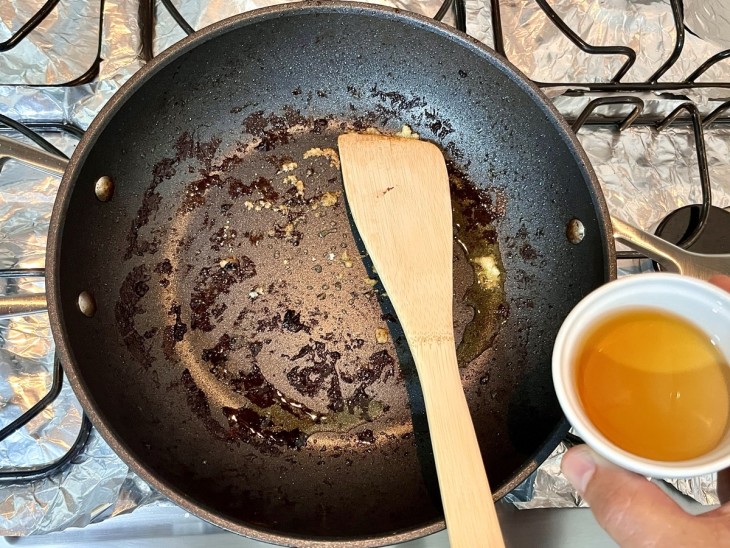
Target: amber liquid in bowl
{"points": [[654, 384]]}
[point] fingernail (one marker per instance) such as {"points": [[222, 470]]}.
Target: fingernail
{"points": [[578, 466]]}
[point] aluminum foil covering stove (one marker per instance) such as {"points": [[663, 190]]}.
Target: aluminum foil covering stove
{"points": [[644, 175]]}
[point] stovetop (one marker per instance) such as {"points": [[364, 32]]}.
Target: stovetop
{"points": [[644, 85]]}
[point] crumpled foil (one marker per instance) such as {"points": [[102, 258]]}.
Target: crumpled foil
{"points": [[41, 58], [709, 20], [26, 347], [167, 32], [541, 51], [644, 175], [120, 50], [546, 487]]}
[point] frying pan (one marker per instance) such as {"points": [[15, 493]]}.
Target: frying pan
{"points": [[215, 318]]}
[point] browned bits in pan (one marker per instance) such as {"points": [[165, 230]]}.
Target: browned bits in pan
{"points": [[276, 321], [127, 308]]}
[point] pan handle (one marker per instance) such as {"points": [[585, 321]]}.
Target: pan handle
{"points": [[30, 303], [671, 257], [32, 156], [22, 305]]}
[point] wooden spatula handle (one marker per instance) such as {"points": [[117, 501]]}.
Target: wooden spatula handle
{"points": [[398, 192], [467, 499]]}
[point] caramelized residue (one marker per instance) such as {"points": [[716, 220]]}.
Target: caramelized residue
{"points": [[133, 289], [325, 380]]}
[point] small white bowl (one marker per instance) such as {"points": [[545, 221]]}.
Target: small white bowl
{"points": [[702, 303]]}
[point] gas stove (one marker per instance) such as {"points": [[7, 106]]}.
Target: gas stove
{"points": [[644, 86]]}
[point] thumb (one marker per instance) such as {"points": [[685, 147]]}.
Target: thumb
{"points": [[634, 511]]}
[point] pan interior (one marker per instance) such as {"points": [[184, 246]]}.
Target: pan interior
{"points": [[239, 349]]}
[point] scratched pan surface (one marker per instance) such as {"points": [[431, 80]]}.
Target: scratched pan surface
{"points": [[240, 357]]}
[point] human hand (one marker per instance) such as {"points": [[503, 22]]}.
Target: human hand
{"points": [[636, 512]]}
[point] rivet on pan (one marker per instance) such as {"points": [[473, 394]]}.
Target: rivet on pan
{"points": [[575, 231], [104, 188], [87, 304]]}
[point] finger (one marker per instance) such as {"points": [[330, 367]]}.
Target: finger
{"points": [[631, 509], [721, 281]]}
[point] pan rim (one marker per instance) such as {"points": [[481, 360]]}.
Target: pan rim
{"points": [[132, 86]]}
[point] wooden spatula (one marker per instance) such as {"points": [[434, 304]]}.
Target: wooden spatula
{"points": [[398, 192]]}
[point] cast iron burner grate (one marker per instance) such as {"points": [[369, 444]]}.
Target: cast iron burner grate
{"points": [[32, 131], [652, 84], [32, 24], [679, 224]]}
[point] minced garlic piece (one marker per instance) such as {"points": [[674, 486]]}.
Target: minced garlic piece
{"points": [[381, 335], [293, 180], [407, 132], [228, 261], [487, 271], [328, 153], [289, 166], [329, 199]]}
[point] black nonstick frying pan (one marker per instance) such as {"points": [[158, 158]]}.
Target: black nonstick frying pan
{"points": [[218, 319]]}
